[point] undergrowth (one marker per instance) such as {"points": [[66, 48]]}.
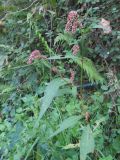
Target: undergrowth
{"points": [[59, 80]]}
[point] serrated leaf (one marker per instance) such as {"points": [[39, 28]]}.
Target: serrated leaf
{"points": [[87, 143], [63, 37], [90, 69]]}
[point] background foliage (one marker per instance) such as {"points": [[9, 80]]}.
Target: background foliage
{"points": [[43, 116]]}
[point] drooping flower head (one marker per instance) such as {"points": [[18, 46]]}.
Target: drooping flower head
{"points": [[105, 26], [72, 16], [75, 49], [72, 22], [34, 55]]}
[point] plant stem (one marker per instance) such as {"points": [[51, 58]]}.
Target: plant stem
{"points": [[81, 76]]}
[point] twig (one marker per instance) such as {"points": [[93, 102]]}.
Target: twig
{"points": [[10, 13]]}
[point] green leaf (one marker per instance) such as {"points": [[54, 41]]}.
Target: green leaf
{"points": [[53, 3], [116, 144], [63, 37], [104, 87], [107, 158], [68, 90], [67, 123], [87, 65], [87, 143], [2, 59], [50, 93]]}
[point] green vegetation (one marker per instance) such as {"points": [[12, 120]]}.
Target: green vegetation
{"points": [[59, 80]]}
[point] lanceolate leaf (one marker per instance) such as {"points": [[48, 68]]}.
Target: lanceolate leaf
{"points": [[50, 93], [67, 123], [86, 143]]}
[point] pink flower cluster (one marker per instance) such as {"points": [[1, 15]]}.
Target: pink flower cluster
{"points": [[72, 22], [35, 55], [75, 49], [72, 75], [105, 26]]}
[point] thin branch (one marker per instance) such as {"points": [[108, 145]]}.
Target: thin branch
{"points": [[24, 9]]}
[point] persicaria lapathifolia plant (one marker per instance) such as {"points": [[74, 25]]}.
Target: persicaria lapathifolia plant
{"points": [[72, 75], [36, 54], [72, 22], [75, 49]]}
